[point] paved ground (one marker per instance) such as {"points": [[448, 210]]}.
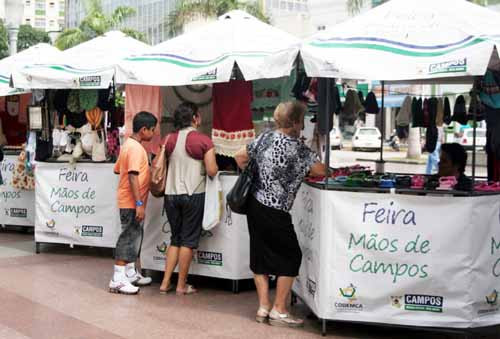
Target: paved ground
{"points": [[61, 293]]}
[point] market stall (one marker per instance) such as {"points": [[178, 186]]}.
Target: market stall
{"points": [[224, 60], [399, 249], [17, 195], [74, 122]]}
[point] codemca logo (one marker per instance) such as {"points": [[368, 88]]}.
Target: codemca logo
{"points": [[209, 258], [453, 66], [210, 75], [419, 302], [90, 81], [311, 287], [349, 295], [89, 231], [18, 212], [491, 304]]}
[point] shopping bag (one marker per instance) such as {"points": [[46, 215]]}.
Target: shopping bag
{"points": [[159, 173], [212, 214]]}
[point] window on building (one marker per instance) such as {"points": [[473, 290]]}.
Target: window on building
{"points": [[40, 4], [290, 6], [40, 22], [61, 23], [276, 4], [52, 4], [27, 3], [283, 5], [28, 21]]}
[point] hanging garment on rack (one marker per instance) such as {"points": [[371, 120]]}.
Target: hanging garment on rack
{"points": [[233, 127], [327, 98], [268, 93], [418, 113], [143, 98], [426, 108], [301, 86], [447, 111], [361, 98], [459, 111], [492, 131], [431, 133], [440, 112], [403, 118], [351, 108], [371, 104], [475, 107]]}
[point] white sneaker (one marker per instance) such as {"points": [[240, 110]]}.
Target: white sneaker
{"points": [[138, 280], [123, 287]]}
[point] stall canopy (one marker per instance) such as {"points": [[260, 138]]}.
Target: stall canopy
{"points": [[208, 54], [407, 40], [88, 65], [39, 53]]}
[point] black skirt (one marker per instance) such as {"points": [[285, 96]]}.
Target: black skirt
{"points": [[274, 248]]}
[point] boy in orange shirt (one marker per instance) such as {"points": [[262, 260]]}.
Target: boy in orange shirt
{"points": [[133, 189]]}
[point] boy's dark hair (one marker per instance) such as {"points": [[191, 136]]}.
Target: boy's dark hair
{"points": [[143, 119], [457, 155], [184, 114]]}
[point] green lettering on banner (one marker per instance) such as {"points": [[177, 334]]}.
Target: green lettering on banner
{"points": [[494, 246]]}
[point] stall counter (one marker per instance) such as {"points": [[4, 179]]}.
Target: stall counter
{"points": [[390, 258]]}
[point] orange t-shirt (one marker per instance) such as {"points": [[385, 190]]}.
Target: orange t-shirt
{"points": [[133, 158]]}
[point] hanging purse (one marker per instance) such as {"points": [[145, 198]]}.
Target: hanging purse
{"points": [[159, 172], [238, 195]]}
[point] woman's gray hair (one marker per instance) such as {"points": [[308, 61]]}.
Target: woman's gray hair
{"points": [[289, 113]]}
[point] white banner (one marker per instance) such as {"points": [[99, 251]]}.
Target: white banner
{"points": [[17, 206], [399, 259], [223, 251], [76, 204]]}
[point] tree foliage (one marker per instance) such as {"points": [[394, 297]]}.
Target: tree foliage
{"points": [[188, 10], [27, 37], [96, 23]]}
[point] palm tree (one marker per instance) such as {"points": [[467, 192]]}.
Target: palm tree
{"points": [[190, 10], [96, 23]]}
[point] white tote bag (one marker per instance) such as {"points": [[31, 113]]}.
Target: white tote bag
{"points": [[213, 203]]}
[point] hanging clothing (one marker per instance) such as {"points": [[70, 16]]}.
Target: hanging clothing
{"points": [[440, 112], [417, 113], [493, 131], [361, 98], [371, 104], [301, 86], [269, 93], [327, 98], [425, 109], [475, 107], [143, 98], [459, 111], [447, 111], [351, 108], [490, 89], [403, 118], [233, 127]]}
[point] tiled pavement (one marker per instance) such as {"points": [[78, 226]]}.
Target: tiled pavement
{"points": [[61, 293]]}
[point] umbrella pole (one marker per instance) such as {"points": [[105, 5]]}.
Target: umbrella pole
{"points": [[380, 163], [474, 114]]}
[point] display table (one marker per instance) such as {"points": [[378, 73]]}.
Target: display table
{"points": [[223, 252], [17, 206], [399, 259], [76, 204]]}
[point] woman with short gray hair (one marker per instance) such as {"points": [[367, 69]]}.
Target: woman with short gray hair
{"points": [[283, 162]]}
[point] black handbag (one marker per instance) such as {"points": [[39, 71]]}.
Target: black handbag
{"points": [[238, 195]]}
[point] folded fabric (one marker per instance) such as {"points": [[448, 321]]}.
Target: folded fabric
{"points": [[459, 111], [403, 118], [371, 104]]}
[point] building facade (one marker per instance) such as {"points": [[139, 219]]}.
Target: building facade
{"points": [[47, 15], [151, 16]]}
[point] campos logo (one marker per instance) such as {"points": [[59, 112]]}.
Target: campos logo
{"points": [[89, 231], [452, 66], [422, 302], [209, 258], [210, 75], [349, 294], [19, 212], [90, 81]]}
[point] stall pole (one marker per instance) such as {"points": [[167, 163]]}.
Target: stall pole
{"points": [[323, 327], [474, 115], [380, 164], [327, 139]]}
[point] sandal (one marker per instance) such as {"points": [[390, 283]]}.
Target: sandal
{"points": [[284, 319], [189, 290], [169, 289], [262, 315]]}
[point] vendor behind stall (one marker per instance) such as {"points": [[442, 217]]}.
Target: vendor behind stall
{"points": [[452, 163]]}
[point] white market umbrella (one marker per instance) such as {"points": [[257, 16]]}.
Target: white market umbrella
{"points": [[406, 40], [208, 54], [39, 53], [90, 64]]}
